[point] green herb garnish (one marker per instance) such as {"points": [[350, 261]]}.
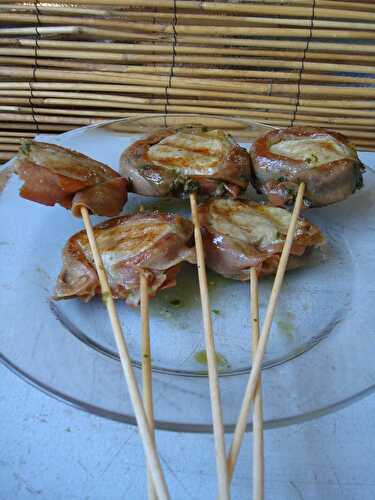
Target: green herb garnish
{"points": [[201, 358], [175, 302], [220, 190], [312, 158], [25, 148]]}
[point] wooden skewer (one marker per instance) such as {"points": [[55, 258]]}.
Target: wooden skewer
{"points": [[258, 358], [147, 372], [258, 446], [143, 427], [217, 417]]}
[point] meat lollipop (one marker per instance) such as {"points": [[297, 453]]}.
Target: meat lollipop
{"points": [[310, 165], [243, 239], [324, 160], [150, 241], [183, 162], [177, 161], [241, 234], [54, 174]]}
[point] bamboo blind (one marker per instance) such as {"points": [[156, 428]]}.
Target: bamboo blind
{"points": [[283, 62]]}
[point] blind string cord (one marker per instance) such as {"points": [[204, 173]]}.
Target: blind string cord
{"points": [[309, 39], [171, 71], [35, 66]]}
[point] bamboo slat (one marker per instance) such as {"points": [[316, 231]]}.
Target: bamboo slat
{"points": [[199, 60], [217, 20], [362, 5], [143, 53], [16, 135], [146, 53], [114, 71], [168, 29], [5, 156], [166, 48], [77, 100], [186, 83], [8, 147], [232, 43], [239, 8], [248, 101], [68, 115], [6, 140]]}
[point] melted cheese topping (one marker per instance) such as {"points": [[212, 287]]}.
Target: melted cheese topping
{"points": [[191, 154], [313, 150], [125, 241], [254, 225]]}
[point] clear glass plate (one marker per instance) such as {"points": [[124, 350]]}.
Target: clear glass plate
{"points": [[322, 344]]}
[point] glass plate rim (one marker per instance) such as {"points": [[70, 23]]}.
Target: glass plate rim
{"points": [[161, 424]]}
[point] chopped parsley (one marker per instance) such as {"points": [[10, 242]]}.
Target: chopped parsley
{"points": [[312, 158], [279, 235], [175, 303], [220, 190], [25, 148]]}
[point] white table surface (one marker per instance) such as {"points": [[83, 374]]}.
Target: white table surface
{"points": [[49, 450]]}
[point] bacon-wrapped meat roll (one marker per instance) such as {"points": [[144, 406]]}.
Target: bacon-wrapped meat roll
{"points": [[240, 234], [54, 174], [324, 160], [177, 161], [150, 241]]}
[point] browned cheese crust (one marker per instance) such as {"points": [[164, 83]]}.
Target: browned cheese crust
{"points": [[240, 234], [177, 161], [327, 163], [151, 242]]}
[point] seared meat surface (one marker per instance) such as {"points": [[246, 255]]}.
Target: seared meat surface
{"points": [[53, 174], [324, 160], [150, 242], [177, 161], [240, 234]]}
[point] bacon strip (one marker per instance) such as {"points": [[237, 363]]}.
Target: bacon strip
{"points": [[153, 242], [174, 173], [53, 174], [228, 249], [278, 175]]}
